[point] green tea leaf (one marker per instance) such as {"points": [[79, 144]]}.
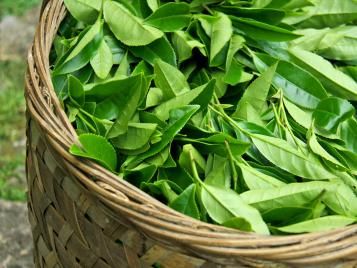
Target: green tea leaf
{"points": [[277, 216], [348, 133], [186, 202], [184, 44], [332, 79], [117, 49], [170, 17], [106, 109], [140, 174], [338, 43], [167, 87], [188, 155], [300, 116], [102, 61], [319, 150], [80, 54], [128, 28], [289, 195], [224, 204], [85, 40], [160, 49], [162, 187], [178, 119], [262, 31], [219, 174], [111, 87], [298, 86], [326, 223], [258, 180], [200, 95], [330, 14], [331, 112], [136, 137], [285, 156], [125, 93], [238, 223], [170, 80], [340, 198], [96, 148], [267, 15], [233, 69], [153, 4], [216, 143], [124, 67], [76, 91], [256, 94], [97, 5], [219, 29], [154, 97], [140, 8], [81, 11]]}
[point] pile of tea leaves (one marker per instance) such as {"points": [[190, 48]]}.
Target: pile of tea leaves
{"points": [[237, 113]]}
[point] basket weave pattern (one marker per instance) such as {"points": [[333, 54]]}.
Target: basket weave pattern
{"points": [[84, 216]]}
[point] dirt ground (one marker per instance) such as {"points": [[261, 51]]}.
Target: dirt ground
{"points": [[15, 236]]}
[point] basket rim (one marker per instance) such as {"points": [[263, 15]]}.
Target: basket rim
{"points": [[150, 216]]}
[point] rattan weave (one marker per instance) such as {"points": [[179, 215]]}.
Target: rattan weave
{"points": [[84, 216]]}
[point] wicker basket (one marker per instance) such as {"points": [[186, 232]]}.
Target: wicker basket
{"points": [[84, 216]]}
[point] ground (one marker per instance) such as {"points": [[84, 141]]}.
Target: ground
{"points": [[15, 236], [17, 25]]}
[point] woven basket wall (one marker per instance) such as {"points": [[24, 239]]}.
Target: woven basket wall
{"points": [[84, 216]]}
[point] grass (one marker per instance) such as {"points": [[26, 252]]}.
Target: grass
{"points": [[12, 189], [16, 7], [12, 131], [12, 113]]}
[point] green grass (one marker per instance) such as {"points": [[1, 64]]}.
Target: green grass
{"points": [[11, 182], [12, 131], [12, 113], [16, 7]]}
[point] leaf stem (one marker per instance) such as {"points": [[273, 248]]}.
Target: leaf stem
{"points": [[221, 112], [208, 9], [194, 170], [288, 127], [232, 165], [87, 124]]}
